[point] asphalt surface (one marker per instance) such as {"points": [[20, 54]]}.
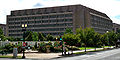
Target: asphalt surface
{"points": [[112, 57], [103, 55]]}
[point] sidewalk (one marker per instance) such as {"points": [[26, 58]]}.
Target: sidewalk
{"points": [[35, 55], [89, 50]]}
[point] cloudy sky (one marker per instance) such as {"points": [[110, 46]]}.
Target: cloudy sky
{"points": [[110, 7]]}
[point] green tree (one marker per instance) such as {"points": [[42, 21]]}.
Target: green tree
{"points": [[97, 40], [3, 38], [10, 38], [35, 36], [68, 30], [41, 37], [86, 35], [71, 39], [103, 40], [112, 38], [82, 35], [49, 37], [29, 36], [1, 31], [89, 32]]}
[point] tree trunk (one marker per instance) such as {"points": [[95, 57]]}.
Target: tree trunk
{"points": [[85, 47]]}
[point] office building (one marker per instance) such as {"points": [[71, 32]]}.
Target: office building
{"points": [[55, 20], [3, 27], [116, 27]]}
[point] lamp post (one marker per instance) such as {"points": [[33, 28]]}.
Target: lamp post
{"points": [[56, 39], [61, 43], [0, 42], [24, 26]]}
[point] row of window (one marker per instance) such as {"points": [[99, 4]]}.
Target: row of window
{"points": [[99, 19], [101, 25], [56, 33], [52, 25], [100, 22], [100, 30], [45, 25], [41, 17], [43, 21], [48, 29]]}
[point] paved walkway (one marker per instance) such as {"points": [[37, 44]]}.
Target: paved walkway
{"points": [[34, 54]]}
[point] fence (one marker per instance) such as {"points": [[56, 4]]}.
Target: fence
{"points": [[31, 43]]}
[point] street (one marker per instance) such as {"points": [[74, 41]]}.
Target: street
{"points": [[103, 55]]}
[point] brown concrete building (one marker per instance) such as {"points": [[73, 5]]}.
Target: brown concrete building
{"points": [[3, 27], [54, 20], [116, 27]]}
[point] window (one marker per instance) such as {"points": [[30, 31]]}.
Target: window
{"points": [[68, 15]]}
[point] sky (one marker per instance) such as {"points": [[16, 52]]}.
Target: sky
{"points": [[109, 7]]}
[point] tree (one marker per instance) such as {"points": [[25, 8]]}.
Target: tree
{"points": [[68, 30], [3, 38], [31, 36], [96, 40], [28, 36], [35, 36], [86, 35], [1, 31], [82, 35], [112, 38], [10, 38], [41, 37], [103, 40], [71, 39], [89, 32], [49, 37]]}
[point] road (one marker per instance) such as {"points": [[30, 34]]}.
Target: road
{"points": [[103, 55]]}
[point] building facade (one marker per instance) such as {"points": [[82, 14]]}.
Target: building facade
{"points": [[55, 20], [3, 27], [116, 27]]}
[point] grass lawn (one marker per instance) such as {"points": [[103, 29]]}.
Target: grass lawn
{"points": [[79, 53], [5, 56], [107, 46], [83, 48]]}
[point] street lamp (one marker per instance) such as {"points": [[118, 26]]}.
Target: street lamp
{"points": [[24, 26], [0, 42], [56, 39], [61, 43]]}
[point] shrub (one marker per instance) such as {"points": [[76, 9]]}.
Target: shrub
{"points": [[52, 47], [8, 48]]}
